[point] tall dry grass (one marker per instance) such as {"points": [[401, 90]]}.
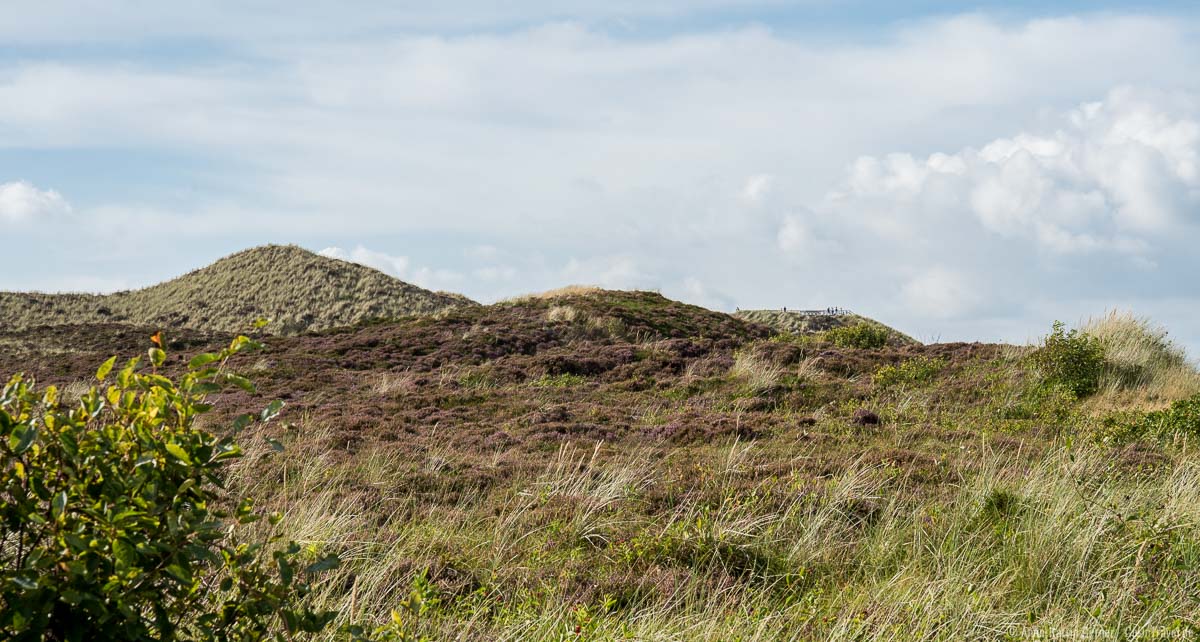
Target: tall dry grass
{"points": [[1143, 366], [557, 293], [758, 373], [294, 288], [1068, 547]]}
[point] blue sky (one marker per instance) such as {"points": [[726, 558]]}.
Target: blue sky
{"points": [[961, 170]]}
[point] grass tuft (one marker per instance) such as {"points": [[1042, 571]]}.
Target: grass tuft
{"points": [[1140, 360]]}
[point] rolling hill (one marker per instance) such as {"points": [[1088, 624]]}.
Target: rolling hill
{"points": [[808, 322], [294, 288], [624, 462]]}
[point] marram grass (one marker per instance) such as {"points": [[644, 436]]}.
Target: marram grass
{"points": [[1065, 546], [295, 289]]}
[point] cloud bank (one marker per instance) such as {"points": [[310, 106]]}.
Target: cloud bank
{"points": [[1103, 205], [961, 177], [1119, 173]]}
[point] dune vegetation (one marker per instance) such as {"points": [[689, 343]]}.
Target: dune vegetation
{"points": [[812, 322], [606, 465], [294, 288], [1141, 364]]}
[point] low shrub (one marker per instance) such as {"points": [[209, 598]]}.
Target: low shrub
{"points": [[1182, 418], [1071, 359], [111, 518], [859, 335]]}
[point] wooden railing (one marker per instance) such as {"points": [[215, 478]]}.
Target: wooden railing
{"points": [[827, 312]]}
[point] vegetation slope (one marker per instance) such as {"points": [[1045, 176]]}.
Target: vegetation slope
{"points": [[802, 322], [615, 465], [294, 288]]}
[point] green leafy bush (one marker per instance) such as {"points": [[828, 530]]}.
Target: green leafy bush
{"points": [[912, 372], [1182, 418], [113, 523], [859, 335], [1072, 359]]}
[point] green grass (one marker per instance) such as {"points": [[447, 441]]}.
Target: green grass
{"points": [[295, 289]]}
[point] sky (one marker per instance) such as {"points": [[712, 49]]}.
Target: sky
{"points": [[961, 171]]}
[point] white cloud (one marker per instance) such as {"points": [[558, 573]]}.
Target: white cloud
{"points": [[757, 187], [396, 266], [21, 202], [940, 293], [1099, 201], [438, 279], [1115, 175], [793, 236], [618, 272], [400, 267], [701, 162], [694, 291]]}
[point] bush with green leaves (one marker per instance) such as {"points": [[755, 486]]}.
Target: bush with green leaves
{"points": [[859, 335], [114, 524], [1182, 418], [1073, 360]]}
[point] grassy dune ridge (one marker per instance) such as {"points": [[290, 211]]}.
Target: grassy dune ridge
{"points": [[609, 465], [294, 288], [794, 322]]}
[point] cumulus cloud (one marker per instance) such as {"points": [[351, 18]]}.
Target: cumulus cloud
{"points": [[21, 202], [1115, 175], [1097, 202]]}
